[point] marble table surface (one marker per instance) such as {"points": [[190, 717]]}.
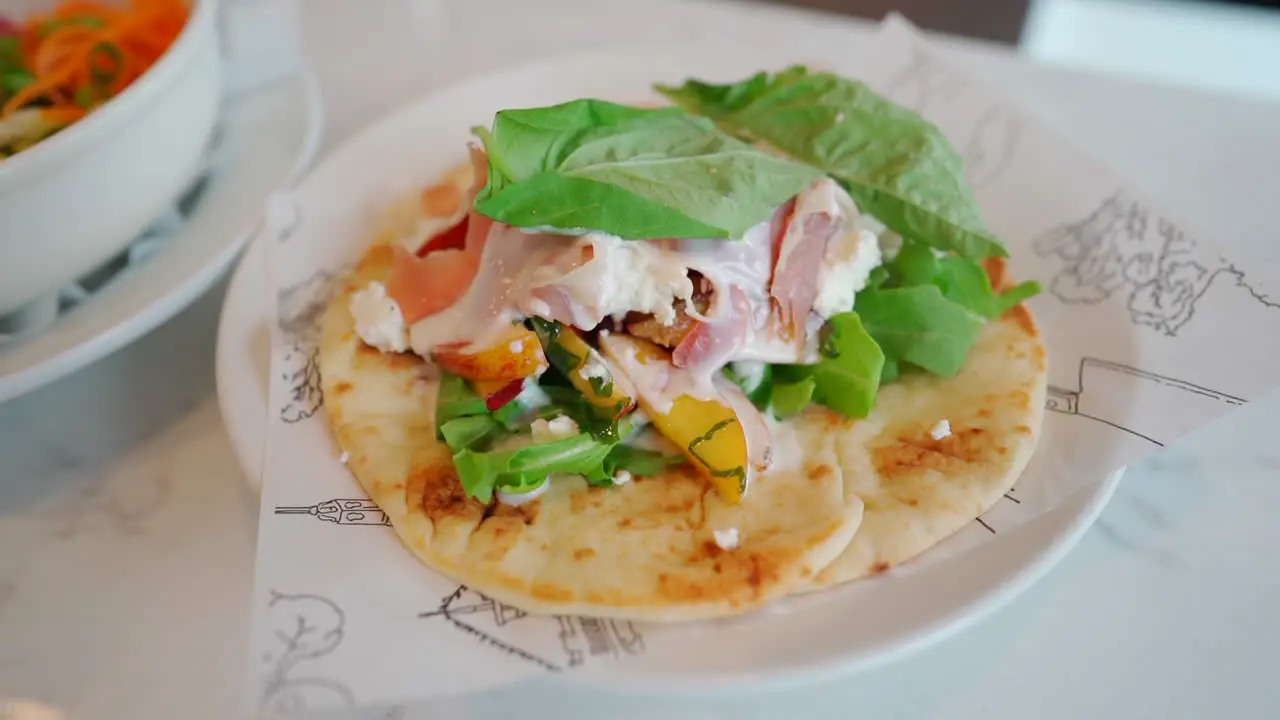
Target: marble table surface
{"points": [[127, 532]]}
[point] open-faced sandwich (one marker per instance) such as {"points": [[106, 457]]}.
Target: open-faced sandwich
{"points": [[672, 363]]}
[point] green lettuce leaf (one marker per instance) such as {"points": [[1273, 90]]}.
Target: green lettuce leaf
{"points": [[638, 461], [962, 281], [965, 282], [638, 174], [787, 399], [847, 375], [455, 399], [758, 387], [468, 432], [897, 166], [918, 325], [525, 468]]}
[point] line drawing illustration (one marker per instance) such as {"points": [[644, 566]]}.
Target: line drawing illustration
{"points": [[924, 82], [306, 627], [300, 307], [580, 638], [992, 145], [926, 85], [1068, 401], [1124, 247], [340, 511]]}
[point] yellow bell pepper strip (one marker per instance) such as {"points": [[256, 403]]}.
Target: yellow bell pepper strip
{"points": [[706, 430], [515, 355], [610, 395]]}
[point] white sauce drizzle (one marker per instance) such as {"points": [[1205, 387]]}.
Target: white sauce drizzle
{"points": [[518, 499]]}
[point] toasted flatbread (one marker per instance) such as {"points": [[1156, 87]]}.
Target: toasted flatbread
{"points": [[645, 550], [865, 495], [919, 490]]}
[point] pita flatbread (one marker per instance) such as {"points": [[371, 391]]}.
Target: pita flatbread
{"points": [[861, 496], [645, 550], [919, 490]]}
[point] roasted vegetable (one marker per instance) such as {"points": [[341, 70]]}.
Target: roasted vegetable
{"points": [[706, 430], [612, 397], [497, 393], [515, 355]]}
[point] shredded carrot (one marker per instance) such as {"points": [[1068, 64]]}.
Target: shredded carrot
{"points": [[84, 52]]}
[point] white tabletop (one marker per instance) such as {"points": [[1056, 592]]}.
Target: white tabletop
{"points": [[126, 533]]}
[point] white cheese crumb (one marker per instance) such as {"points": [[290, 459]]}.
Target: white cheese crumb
{"points": [[378, 319], [846, 267], [516, 346], [620, 276], [726, 539], [539, 307], [622, 477], [750, 372], [554, 429], [941, 430], [593, 368], [344, 457]]}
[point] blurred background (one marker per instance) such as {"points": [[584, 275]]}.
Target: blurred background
{"points": [[1231, 45]]}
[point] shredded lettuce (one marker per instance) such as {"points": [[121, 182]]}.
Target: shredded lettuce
{"points": [[486, 462]]}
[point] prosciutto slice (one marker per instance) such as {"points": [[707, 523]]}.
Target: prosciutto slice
{"points": [[798, 254], [712, 343], [423, 286]]}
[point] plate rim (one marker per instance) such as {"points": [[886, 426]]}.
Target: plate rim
{"points": [[1088, 503]]}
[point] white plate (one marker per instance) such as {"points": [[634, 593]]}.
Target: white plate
{"points": [[821, 635], [269, 139]]}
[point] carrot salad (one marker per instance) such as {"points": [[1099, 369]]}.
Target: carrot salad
{"points": [[58, 66]]}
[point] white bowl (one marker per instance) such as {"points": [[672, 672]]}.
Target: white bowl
{"points": [[70, 202]]}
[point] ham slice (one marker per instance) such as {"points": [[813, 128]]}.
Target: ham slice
{"points": [[798, 253], [423, 286], [710, 344]]}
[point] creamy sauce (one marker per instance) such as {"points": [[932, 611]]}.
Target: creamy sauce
{"points": [[378, 319], [787, 453], [755, 428], [518, 499]]}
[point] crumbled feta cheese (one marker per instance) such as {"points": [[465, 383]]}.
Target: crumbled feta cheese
{"points": [[941, 430], [726, 539], [532, 397], [539, 307], [378, 319], [555, 429], [516, 346], [593, 368], [621, 276], [750, 372], [622, 477], [846, 266], [890, 242], [344, 457]]}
